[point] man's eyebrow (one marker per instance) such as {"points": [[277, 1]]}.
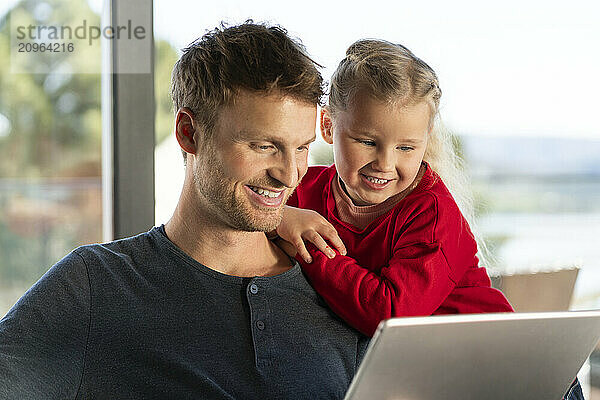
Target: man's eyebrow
{"points": [[312, 139], [260, 136], [246, 134]]}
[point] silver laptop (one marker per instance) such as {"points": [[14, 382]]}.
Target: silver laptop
{"points": [[476, 356]]}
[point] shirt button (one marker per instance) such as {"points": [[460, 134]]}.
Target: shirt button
{"points": [[253, 289], [260, 325]]}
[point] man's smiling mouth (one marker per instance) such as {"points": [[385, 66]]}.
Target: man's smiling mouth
{"points": [[265, 192]]}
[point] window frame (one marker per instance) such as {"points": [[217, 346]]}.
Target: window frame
{"points": [[128, 137]]}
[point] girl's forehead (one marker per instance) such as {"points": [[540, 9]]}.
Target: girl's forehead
{"points": [[371, 114]]}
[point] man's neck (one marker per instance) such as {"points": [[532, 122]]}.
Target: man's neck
{"points": [[223, 249]]}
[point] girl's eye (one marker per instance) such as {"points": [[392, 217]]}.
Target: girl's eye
{"points": [[367, 142], [405, 148]]}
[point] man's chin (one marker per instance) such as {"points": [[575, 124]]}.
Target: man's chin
{"points": [[266, 225], [260, 221]]}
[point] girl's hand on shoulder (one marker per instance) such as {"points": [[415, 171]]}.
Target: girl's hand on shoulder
{"points": [[299, 225]]}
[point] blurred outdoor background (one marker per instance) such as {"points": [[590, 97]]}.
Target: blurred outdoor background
{"points": [[520, 90]]}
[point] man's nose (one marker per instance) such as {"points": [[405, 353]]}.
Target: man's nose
{"points": [[384, 161], [285, 170]]}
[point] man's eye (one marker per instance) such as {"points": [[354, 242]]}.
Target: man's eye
{"points": [[303, 148], [263, 147]]}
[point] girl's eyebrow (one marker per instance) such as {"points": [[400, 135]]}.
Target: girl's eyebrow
{"points": [[363, 133], [373, 136], [415, 141]]}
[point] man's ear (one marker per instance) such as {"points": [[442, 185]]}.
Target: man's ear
{"points": [[184, 130], [326, 125]]}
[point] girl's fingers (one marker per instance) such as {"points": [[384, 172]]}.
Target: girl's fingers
{"points": [[335, 240], [320, 243], [301, 248]]}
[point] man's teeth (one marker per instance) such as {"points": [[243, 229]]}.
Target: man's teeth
{"points": [[264, 192], [375, 180]]}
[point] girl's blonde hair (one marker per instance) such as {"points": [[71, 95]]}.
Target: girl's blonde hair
{"points": [[392, 73]]}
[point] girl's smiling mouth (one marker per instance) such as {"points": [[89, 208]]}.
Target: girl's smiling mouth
{"points": [[375, 183]]}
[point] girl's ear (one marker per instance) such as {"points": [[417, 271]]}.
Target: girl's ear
{"points": [[326, 125]]}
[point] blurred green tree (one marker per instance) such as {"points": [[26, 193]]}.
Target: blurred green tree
{"points": [[50, 137]]}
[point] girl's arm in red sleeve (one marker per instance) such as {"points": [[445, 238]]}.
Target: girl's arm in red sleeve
{"points": [[416, 282], [430, 260], [474, 294]]}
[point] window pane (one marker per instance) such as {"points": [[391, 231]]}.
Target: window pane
{"points": [[169, 169], [50, 141]]}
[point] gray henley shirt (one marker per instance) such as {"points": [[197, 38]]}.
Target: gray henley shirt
{"points": [[138, 318]]}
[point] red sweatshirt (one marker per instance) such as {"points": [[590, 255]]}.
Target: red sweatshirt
{"points": [[417, 259]]}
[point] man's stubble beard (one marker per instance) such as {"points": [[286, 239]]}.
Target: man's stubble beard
{"points": [[220, 196]]}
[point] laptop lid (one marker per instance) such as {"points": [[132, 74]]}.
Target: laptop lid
{"points": [[476, 356]]}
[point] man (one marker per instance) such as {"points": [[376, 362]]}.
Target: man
{"points": [[206, 306]]}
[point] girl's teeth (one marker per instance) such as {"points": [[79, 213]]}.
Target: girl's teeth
{"points": [[379, 181]]}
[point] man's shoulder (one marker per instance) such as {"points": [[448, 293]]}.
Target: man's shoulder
{"points": [[81, 265], [124, 261], [125, 248]]}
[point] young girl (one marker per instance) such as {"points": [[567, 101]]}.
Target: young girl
{"points": [[409, 249]]}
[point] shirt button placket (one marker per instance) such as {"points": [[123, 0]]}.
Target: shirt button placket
{"points": [[253, 288], [258, 323]]}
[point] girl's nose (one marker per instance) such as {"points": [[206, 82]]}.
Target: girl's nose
{"points": [[385, 161]]}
